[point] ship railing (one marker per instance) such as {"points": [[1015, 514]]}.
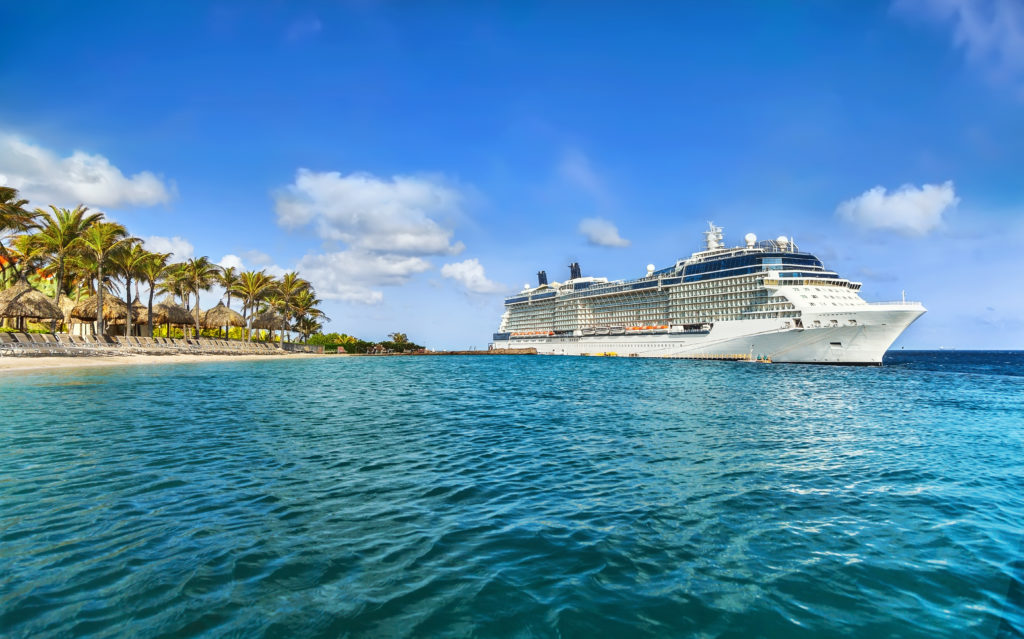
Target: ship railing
{"points": [[896, 303]]}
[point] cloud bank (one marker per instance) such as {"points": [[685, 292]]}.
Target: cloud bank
{"points": [[350, 275], [390, 225], [908, 210], [232, 261], [393, 215], [179, 248], [45, 178], [470, 274], [600, 232]]}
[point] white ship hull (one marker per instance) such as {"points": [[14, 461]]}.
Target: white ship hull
{"points": [[864, 341]]}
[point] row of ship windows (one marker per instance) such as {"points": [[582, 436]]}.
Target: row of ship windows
{"points": [[747, 283], [687, 292], [688, 317], [646, 314]]}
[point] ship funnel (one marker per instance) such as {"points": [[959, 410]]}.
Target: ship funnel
{"points": [[542, 278], [574, 271]]}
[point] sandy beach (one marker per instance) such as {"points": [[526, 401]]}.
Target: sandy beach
{"points": [[13, 365]]}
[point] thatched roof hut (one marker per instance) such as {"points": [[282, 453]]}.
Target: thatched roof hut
{"points": [[221, 315], [167, 312], [66, 305], [114, 309], [268, 320], [21, 300], [139, 312]]}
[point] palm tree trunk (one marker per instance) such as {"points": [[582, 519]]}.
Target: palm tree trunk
{"points": [[149, 318], [128, 300], [100, 329], [56, 294], [197, 313]]}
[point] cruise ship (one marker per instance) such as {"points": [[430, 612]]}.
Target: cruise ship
{"points": [[764, 301]]}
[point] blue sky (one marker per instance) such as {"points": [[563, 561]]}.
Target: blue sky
{"points": [[419, 160]]}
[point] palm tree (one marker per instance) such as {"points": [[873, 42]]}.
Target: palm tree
{"points": [[252, 287], [98, 241], [174, 282], [284, 297], [14, 218], [307, 326], [151, 268], [81, 271], [305, 306], [200, 274], [60, 231], [128, 260], [228, 278]]}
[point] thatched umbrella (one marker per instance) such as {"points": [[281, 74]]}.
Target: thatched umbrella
{"points": [[140, 314], [221, 315], [167, 312], [66, 305], [269, 320], [113, 309], [23, 301]]}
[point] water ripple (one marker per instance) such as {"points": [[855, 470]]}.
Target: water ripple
{"points": [[512, 496]]}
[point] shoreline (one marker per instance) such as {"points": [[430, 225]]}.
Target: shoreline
{"points": [[9, 365]]}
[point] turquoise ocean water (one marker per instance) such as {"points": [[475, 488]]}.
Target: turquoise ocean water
{"points": [[515, 497]]}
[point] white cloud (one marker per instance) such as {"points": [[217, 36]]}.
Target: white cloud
{"points": [[372, 214], [991, 32], [908, 209], [232, 261], [601, 232], [179, 248], [274, 269], [470, 274], [351, 275], [45, 178]]}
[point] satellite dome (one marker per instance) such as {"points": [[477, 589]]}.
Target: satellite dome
{"points": [[750, 239], [650, 268], [782, 239]]}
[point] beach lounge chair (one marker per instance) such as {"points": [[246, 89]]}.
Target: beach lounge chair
{"points": [[10, 346], [58, 348], [70, 346], [36, 339], [26, 344]]}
